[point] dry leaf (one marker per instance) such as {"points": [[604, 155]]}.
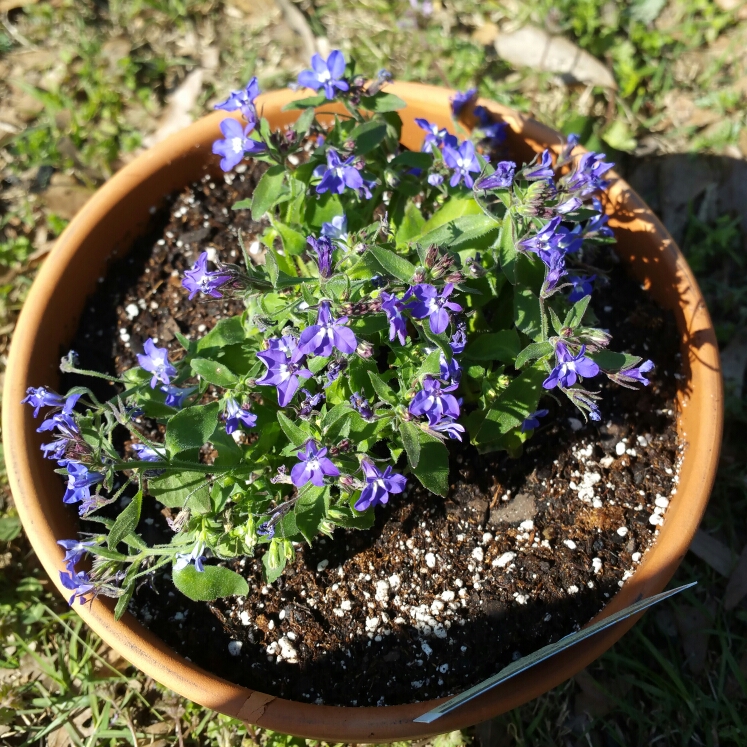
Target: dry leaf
{"points": [[737, 586], [713, 552], [65, 201], [532, 47], [177, 114], [6, 5], [485, 34]]}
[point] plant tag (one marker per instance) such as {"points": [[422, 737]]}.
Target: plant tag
{"points": [[544, 653]]}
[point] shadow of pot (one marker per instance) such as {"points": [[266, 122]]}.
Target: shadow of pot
{"points": [[106, 228]]}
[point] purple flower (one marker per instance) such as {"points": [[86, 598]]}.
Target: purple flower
{"points": [[570, 144], [338, 174], [63, 420], [196, 557], [461, 99], [145, 453], [199, 280], [532, 420], [541, 170], [336, 229], [285, 366], [236, 143], [378, 486], [242, 99], [79, 583], [568, 206], [74, 550], [237, 416], [501, 178], [451, 371], [435, 180], [546, 242], [569, 367], [334, 370], [463, 161], [394, 308], [635, 373], [328, 333], [434, 401], [175, 395], [430, 304], [495, 131], [56, 450], [310, 402], [582, 287], [586, 178], [361, 405], [79, 482], [313, 467], [448, 427], [598, 224], [459, 339], [42, 397], [323, 248], [266, 529], [327, 75], [156, 361], [435, 136], [555, 262]]}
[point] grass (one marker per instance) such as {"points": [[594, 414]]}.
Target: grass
{"points": [[83, 84]]}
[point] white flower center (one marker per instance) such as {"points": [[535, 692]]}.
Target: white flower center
{"points": [[237, 144], [313, 464], [324, 77]]}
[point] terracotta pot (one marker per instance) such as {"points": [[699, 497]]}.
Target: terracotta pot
{"points": [[106, 228]]}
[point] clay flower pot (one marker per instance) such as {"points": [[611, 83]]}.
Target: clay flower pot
{"points": [[107, 226]]}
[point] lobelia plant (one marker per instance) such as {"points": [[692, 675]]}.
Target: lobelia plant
{"points": [[407, 300]]}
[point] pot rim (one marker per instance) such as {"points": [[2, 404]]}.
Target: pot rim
{"points": [[699, 422]]}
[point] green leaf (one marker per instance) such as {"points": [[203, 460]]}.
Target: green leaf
{"points": [[555, 321], [381, 388], [348, 517], [533, 352], [576, 313], [433, 465], [382, 102], [527, 314], [495, 346], [303, 123], [123, 601], [192, 427], [412, 160], [412, 223], [182, 490], [453, 208], [294, 242], [295, 435], [268, 191], [226, 332], [442, 340], [244, 204], [368, 136], [610, 361], [411, 439], [310, 510], [126, 522], [461, 232], [214, 582], [323, 209], [431, 364], [392, 263], [10, 528], [309, 101], [274, 560], [214, 372], [507, 252], [333, 415]]}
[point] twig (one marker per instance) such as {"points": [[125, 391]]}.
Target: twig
{"points": [[297, 21], [14, 32]]}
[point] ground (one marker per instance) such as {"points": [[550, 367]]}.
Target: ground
{"points": [[659, 85]]}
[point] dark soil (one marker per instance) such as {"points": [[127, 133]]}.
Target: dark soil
{"points": [[440, 594]]}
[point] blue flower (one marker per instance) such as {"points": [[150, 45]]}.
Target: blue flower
{"points": [[501, 178], [434, 401], [586, 178], [541, 170], [74, 550], [156, 361], [361, 405], [463, 161], [334, 370], [338, 174], [582, 287], [633, 374], [42, 397], [459, 339], [394, 310], [451, 371], [598, 223], [313, 467], [285, 366], [532, 420], [310, 402], [237, 416], [435, 180], [63, 420], [236, 143], [242, 99], [327, 334], [547, 241], [200, 280], [327, 75], [435, 136], [461, 99], [448, 427], [79, 482], [493, 130], [323, 248], [175, 395], [378, 486], [196, 557], [569, 367], [145, 453], [336, 229], [79, 583], [428, 303]]}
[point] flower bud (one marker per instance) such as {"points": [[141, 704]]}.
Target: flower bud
{"points": [[364, 349], [419, 276], [431, 256]]}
